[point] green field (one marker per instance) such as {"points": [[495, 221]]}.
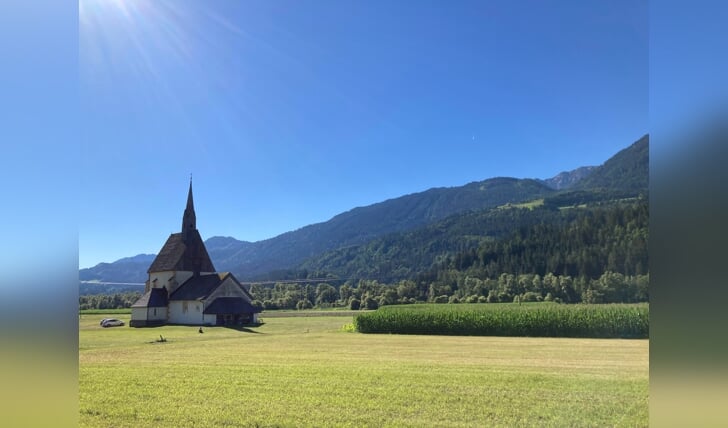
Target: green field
{"points": [[511, 319], [105, 311], [304, 371]]}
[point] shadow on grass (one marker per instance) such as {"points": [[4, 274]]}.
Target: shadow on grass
{"points": [[244, 328]]}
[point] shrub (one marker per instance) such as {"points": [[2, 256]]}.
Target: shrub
{"points": [[530, 296], [453, 299], [492, 297], [441, 299], [304, 304], [354, 304]]}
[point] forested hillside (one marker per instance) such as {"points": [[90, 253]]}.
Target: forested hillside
{"points": [[362, 224], [576, 241], [592, 254], [627, 171]]}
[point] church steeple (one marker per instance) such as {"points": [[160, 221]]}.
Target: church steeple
{"points": [[189, 221]]}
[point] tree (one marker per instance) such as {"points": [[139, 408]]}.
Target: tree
{"points": [[406, 289], [344, 293], [304, 304], [325, 294], [370, 303]]}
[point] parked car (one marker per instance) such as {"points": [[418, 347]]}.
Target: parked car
{"points": [[104, 320], [111, 322]]}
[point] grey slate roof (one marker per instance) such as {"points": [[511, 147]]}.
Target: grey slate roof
{"points": [[230, 305], [178, 254], [154, 298], [199, 287]]}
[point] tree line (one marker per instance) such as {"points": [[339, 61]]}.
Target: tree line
{"points": [[610, 287], [108, 301]]}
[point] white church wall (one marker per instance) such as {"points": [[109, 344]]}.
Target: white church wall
{"points": [[139, 314], [185, 312], [157, 314]]}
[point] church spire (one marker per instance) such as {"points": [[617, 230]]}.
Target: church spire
{"points": [[189, 221]]}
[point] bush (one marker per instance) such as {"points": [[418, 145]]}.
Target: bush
{"points": [[354, 304], [492, 297], [453, 299], [530, 296], [304, 304], [441, 299]]}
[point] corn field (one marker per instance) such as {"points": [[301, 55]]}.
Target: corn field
{"points": [[530, 320]]}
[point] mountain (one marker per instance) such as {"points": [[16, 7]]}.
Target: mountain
{"points": [[627, 171], [128, 269], [517, 239], [405, 254], [567, 179], [362, 224], [250, 260], [221, 247], [624, 174]]}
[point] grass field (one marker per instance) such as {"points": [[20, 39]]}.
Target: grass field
{"points": [[304, 371], [105, 311]]}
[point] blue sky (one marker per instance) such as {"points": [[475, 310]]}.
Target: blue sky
{"points": [[287, 113]]}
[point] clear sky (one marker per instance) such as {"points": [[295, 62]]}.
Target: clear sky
{"points": [[287, 113]]}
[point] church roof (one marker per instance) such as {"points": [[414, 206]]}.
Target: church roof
{"points": [[199, 287], [176, 254], [154, 298], [230, 305]]}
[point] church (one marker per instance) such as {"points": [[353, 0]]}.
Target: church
{"points": [[183, 287]]}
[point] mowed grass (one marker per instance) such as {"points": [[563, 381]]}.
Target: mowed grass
{"points": [[307, 372]]}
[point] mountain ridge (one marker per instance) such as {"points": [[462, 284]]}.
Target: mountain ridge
{"points": [[359, 225]]}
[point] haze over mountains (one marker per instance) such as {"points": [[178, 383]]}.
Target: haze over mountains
{"points": [[622, 176]]}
